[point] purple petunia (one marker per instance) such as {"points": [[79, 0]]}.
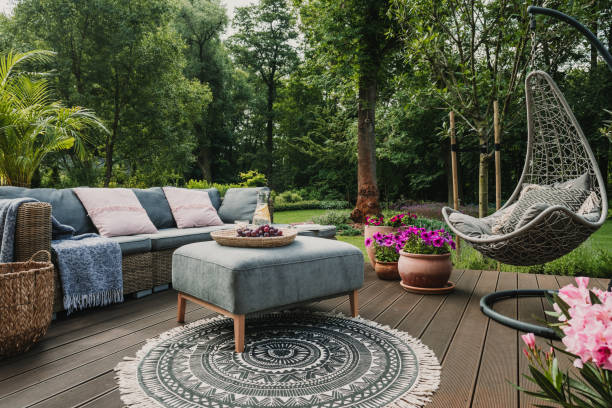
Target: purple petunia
{"points": [[368, 242]]}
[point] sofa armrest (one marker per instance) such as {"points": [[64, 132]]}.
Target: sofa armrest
{"points": [[33, 230]]}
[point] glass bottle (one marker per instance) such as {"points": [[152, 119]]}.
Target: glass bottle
{"points": [[262, 211]]}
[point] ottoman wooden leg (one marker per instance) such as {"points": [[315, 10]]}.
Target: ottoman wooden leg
{"points": [[180, 317], [239, 333], [354, 300]]}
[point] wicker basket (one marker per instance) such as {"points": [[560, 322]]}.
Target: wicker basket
{"points": [[26, 302], [229, 238]]}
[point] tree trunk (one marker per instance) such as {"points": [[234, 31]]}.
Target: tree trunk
{"points": [[367, 189], [204, 162], [270, 128], [110, 140], [483, 179]]}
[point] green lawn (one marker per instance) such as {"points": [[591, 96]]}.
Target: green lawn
{"points": [[601, 239]]}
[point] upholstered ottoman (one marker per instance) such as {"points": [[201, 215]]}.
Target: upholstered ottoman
{"points": [[237, 281]]}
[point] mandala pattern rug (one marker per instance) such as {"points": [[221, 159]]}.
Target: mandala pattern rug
{"points": [[291, 359]]}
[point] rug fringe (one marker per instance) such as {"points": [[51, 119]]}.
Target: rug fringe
{"points": [[428, 380]]}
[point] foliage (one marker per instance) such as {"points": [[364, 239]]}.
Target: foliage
{"points": [[300, 205], [424, 241], [125, 61], [253, 178], [32, 124], [586, 260], [336, 218], [334, 204], [585, 318], [396, 220], [203, 184], [288, 197], [348, 231]]}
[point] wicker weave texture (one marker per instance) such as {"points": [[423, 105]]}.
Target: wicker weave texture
{"points": [[162, 267], [137, 272], [557, 151], [26, 296], [33, 230]]}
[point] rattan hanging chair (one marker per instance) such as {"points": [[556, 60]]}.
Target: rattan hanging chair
{"points": [[557, 152]]}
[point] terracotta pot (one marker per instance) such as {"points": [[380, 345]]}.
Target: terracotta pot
{"points": [[370, 230], [424, 271], [386, 270]]}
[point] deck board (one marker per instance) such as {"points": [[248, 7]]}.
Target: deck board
{"points": [[73, 365]]}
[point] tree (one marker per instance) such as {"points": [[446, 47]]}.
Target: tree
{"points": [[125, 60], [201, 22], [474, 53], [263, 45], [351, 38], [32, 125]]}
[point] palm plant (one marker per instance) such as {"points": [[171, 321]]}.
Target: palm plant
{"points": [[32, 124]]}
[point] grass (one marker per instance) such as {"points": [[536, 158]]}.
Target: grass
{"points": [[578, 262]]}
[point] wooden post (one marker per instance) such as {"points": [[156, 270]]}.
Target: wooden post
{"points": [[497, 129], [454, 167]]}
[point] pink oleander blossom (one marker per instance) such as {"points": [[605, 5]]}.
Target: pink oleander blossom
{"points": [[587, 327]]}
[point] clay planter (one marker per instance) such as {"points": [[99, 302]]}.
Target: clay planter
{"points": [[386, 270], [425, 271], [370, 230]]}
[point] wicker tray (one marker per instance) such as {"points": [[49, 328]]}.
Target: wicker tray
{"points": [[229, 238]]}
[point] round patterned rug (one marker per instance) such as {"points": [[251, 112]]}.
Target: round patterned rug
{"points": [[292, 359]]}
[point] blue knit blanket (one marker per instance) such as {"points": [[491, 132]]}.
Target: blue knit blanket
{"points": [[89, 265]]}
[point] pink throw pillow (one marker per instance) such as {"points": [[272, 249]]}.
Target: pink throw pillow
{"points": [[191, 208], [115, 211]]}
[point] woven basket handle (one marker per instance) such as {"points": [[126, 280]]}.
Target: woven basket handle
{"points": [[46, 254]]}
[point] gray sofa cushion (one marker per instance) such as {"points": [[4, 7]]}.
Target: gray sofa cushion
{"points": [[171, 238], [66, 207], [244, 280], [155, 204], [473, 227], [215, 197], [133, 244], [239, 204]]}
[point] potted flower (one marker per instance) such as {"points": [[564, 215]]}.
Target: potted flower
{"points": [[585, 327], [385, 226], [425, 259], [386, 253]]}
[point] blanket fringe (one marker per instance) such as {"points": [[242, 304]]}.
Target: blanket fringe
{"points": [[72, 303], [428, 381]]}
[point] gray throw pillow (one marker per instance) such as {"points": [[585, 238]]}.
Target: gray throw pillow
{"points": [[569, 198], [473, 227], [582, 182], [153, 200], [531, 213], [65, 206], [239, 204]]}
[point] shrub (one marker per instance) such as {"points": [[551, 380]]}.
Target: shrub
{"points": [[431, 210], [334, 205], [288, 197], [201, 184], [347, 230], [253, 178], [583, 261], [300, 205], [337, 218]]}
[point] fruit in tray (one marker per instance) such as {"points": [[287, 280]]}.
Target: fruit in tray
{"points": [[261, 231]]}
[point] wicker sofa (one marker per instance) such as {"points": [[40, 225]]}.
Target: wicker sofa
{"points": [[146, 259]]}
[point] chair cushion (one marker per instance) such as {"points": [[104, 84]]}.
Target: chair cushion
{"points": [[471, 226], [171, 238], [132, 244], [154, 202], [115, 211], [191, 208], [569, 198], [66, 207], [244, 280]]}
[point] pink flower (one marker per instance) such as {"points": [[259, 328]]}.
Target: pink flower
{"points": [[529, 340], [368, 242]]}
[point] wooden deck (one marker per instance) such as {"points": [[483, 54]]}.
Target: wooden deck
{"points": [[73, 365]]}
